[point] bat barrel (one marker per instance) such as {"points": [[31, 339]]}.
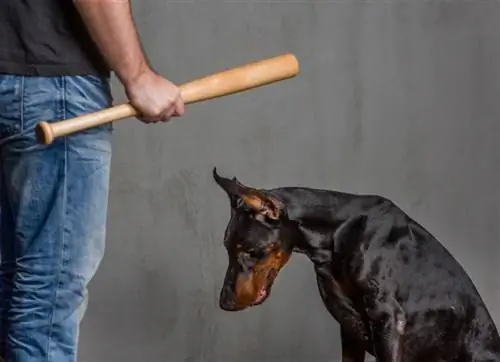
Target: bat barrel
{"points": [[241, 78]]}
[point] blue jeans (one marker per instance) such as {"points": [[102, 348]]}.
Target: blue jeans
{"points": [[53, 209]]}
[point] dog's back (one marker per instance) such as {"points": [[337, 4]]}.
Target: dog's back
{"points": [[445, 314], [446, 318]]}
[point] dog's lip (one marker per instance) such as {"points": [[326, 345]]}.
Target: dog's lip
{"points": [[266, 289], [261, 296]]}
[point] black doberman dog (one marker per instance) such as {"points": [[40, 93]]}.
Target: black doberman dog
{"points": [[395, 290]]}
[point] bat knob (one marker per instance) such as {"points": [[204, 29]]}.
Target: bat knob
{"points": [[44, 133]]}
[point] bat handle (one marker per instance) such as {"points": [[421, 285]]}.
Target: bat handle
{"points": [[46, 132], [220, 84]]}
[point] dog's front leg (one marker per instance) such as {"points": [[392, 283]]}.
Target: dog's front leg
{"points": [[387, 323], [351, 350]]}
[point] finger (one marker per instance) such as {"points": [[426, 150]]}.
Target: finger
{"points": [[153, 114], [168, 114], [179, 107], [141, 118], [149, 119]]}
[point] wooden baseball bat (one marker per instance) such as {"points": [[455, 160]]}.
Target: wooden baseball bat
{"points": [[223, 83]]}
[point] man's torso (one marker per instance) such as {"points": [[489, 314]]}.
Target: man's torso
{"points": [[46, 38]]}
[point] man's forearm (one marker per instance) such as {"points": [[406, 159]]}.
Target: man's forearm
{"points": [[110, 24]]}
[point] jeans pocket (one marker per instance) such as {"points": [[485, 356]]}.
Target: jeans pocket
{"points": [[11, 111], [88, 94], [26, 101], [10, 106]]}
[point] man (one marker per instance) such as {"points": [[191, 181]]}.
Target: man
{"points": [[55, 58]]}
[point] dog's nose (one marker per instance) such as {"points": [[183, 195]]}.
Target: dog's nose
{"points": [[227, 299]]}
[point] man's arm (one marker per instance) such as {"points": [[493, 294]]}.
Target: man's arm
{"points": [[111, 26]]}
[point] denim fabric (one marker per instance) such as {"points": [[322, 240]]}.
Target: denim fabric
{"points": [[53, 208]]}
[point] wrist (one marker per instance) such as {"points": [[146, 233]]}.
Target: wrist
{"points": [[131, 78]]}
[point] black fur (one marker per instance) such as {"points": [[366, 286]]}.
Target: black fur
{"points": [[395, 290]]}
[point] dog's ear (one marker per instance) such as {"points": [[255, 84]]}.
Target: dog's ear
{"points": [[263, 204], [230, 186], [256, 199]]}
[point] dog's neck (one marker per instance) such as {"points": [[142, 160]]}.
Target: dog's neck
{"points": [[315, 217]]}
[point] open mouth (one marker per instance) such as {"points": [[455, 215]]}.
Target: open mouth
{"points": [[266, 289]]}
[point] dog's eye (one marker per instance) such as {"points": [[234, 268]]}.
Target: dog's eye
{"points": [[236, 202]]}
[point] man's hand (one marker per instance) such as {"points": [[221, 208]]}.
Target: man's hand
{"points": [[155, 98], [111, 26]]}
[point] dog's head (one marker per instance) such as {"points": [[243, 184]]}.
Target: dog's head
{"points": [[258, 243]]}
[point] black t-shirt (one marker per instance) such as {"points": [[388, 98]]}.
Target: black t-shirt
{"points": [[46, 38]]}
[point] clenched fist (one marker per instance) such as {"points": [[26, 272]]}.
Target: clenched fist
{"points": [[154, 97]]}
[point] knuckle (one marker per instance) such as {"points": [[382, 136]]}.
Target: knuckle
{"points": [[155, 111]]}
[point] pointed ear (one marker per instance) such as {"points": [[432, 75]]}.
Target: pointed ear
{"points": [[255, 199], [231, 187]]}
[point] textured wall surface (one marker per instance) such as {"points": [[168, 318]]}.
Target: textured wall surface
{"points": [[396, 98]]}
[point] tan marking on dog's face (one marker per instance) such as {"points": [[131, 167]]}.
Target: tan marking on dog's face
{"points": [[247, 288]]}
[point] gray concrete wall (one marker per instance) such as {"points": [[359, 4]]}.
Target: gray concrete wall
{"points": [[397, 98]]}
